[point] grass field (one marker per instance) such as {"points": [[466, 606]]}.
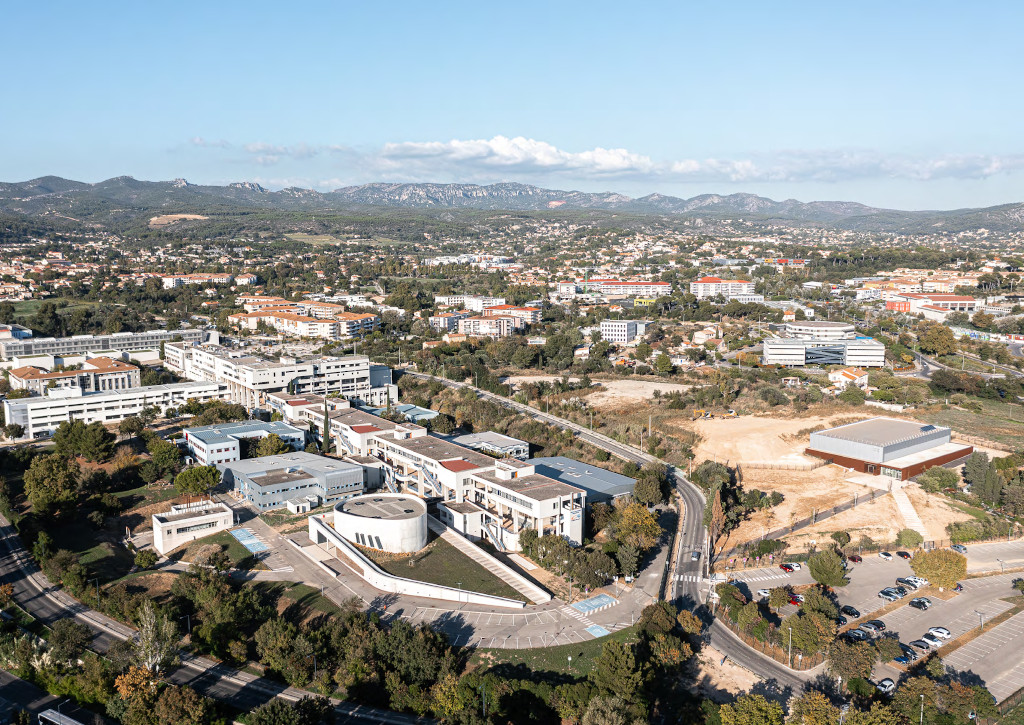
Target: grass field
{"points": [[319, 239], [998, 420], [238, 556], [104, 559], [441, 563], [551, 659], [27, 308], [306, 597]]}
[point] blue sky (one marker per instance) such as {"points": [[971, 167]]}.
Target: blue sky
{"points": [[905, 105]]}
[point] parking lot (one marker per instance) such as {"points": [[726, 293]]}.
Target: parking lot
{"points": [[996, 656]]}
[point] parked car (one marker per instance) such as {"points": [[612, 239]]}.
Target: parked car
{"points": [[921, 645], [888, 595], [940, 632], [849, 611], [871, 631], [901, 591], [855, 558], [906, 581], [795, 565], [922, 603], [796, 599], [877, 624], [959, 548], [886, 686], [904, 555], [909, 652], [902, 660], [788, 568], [764, 593], [856, 635], [695, 556], [919, 581], [932, 640], [841, 620], [885, 556]]}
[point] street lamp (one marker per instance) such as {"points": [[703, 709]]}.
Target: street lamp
{"points": [[790, 646], [921, 721], [1002, 566], [570, 662], [981, 618]]}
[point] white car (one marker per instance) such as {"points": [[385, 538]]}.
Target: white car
{"points": [[885, 555], [940, 632], [886, 686], [919, 581], [764, 593], [795, 565], [932, 640]]}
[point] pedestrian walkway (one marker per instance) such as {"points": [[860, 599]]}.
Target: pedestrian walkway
{"points": [[576, 614], [910, 518], [521, 584]]}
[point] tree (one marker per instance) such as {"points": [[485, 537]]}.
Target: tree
{"points": [[609, 710], [166, 456], [638, 527], [158, 639], [197, 481], [183, 706], [778, 597], [647, 491], [937, 339], [68, 639], [813, 708], [827, 569], [306, 711], [146, 559], [443, 424], [52, 484], [942, 567], [909, 538], [975, 469], [615, 671], [131, 426], [629, 559], [982, 320], [852, 395], [271, 445], [752, 710], [663, 364], [96, 443], [937, 479], [851, 659], [841, 538], [14, 431]]}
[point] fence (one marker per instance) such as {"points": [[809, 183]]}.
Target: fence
{"points": [[759, 465], [777, 653]]}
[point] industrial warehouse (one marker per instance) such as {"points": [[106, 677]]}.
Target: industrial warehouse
{"points": [[900, 449]]}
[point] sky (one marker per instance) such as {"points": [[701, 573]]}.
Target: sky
{"points": [[909, 105]]}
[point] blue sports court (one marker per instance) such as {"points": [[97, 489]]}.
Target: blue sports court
{"points": [[594, 603], [249, 540]]}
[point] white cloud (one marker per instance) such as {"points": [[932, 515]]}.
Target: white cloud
{"points": [[525, 159]]}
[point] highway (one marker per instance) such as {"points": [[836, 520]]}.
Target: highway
{"points": [[33, 592], [687, 576]]}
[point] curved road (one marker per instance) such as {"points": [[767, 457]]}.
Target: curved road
{"points": [[687, 576], [34, 593]]}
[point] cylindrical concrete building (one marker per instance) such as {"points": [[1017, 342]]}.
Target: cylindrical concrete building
{"points": [[820, 330], [392, 522]]}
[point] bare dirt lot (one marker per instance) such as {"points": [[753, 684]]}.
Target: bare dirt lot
{"points": [[616, 393], [878, 519], [167, 219], [804, 491], [721, 681], [756, 439], [934, 511]]}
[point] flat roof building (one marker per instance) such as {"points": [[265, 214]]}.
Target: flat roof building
{"points": [[860, 352], [221, 442], [274, 481], [124, 341], [185, 523], [602, 486], [900, 449], [496, 444]]}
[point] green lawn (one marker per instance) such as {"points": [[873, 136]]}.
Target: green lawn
{"points": [[28, 308], [551, 659], [441, 563], [967, 509], [998, 420], [238, 556], [304, 596], [104, 559]]}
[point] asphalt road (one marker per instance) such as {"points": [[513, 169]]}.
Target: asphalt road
{"points": [[33, 591], [685, 579]]}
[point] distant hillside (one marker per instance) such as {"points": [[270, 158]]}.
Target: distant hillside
{"points": [[126, 198]]}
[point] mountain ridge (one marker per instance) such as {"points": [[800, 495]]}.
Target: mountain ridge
{"points": [[56, 195]]}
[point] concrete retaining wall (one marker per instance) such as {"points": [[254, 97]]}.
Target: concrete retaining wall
{"points": [[320, 532]]}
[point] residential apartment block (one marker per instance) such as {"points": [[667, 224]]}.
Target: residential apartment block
{"points": [[41, 416], [447, 321], [476, 303], [713, 286], [621, 332], [488, 326], [525, 315], [98, 374]]}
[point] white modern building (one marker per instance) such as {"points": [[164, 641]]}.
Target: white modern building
{"points": [[621, 332], [298, 480], [124, 341], [812, 330], [476, 303], [185, 523], [487, 326], [392, 522], [496, 444], [713, 286], [250, 379], [221, 442], [41, 416], [98, 374], [788, 351]]}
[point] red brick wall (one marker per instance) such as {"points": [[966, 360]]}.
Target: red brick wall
{"points": [[908, 472]]}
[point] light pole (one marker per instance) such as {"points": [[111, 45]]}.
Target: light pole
{"points": [[790, 646], [921, 721], [981, 619], [1002, 568], [570, 662]]}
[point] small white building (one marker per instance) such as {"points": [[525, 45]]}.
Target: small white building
{"points": [[187, 522], [849, 376], [622, 332]]}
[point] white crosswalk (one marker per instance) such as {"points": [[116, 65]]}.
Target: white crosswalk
{"points": [[576, 614], [688, 578]]}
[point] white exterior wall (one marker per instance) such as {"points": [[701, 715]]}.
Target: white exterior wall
{"points": [[209, 519], [398, 536], [620, 331]]}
